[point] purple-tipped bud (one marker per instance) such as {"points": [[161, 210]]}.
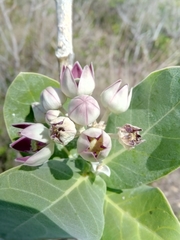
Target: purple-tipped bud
{"points": [[83, 110], [52, 98], [77, 81], [39, 112], [94, 145], [116, 99], [62, 130]]}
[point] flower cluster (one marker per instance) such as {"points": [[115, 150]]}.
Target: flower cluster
{"points": [[56, 125]]}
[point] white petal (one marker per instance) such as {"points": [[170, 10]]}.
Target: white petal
{"points": [[120, 101], [41, 156], [37, 132], [68, 85], [104, 169], [83, 110], [108, 94], [94, 166], [129, 97], [51, 115], [86, 83], [52, 98], [39, 112], [62, 130], [99, 168], [91, 69], [93, 132]]}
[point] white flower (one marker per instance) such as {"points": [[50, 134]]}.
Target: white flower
{"points": [[35, 141], [62, 130], [94, 145]]}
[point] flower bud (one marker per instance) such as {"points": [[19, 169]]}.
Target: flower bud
{"points": [[83, 110], [51, 115], [77, 81], [62, 130], [52, 98], [94, 145], [116, 99], [39, 112], [129, 136]]}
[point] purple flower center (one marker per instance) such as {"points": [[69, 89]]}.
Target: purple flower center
{"points": [[96, 145]]}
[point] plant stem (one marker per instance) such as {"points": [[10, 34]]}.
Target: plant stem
{"points": [[64, 51], [63, 110], [113, 135], [105, 116]]}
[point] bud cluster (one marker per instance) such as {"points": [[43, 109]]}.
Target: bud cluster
{"points": [[78, 120]]}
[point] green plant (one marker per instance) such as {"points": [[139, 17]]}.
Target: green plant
{"points": [[85, 177], [63, 199]]}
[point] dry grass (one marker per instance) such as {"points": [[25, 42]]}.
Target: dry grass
{"points": [[124, 39]]}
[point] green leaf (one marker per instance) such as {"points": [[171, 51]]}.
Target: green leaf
{"points": [[24, 90], [155, 107], [50, 202], [139, 214]]}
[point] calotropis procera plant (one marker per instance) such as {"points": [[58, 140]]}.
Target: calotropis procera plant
{"points": [[78, 121], [82, 174]]}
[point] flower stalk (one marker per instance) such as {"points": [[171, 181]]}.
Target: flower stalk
{"points": [[64, 51]]}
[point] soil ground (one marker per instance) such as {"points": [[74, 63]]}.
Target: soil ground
{"points": [[169, 185]]}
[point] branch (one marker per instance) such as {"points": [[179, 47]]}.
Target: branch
{"points": [[64, 52]]}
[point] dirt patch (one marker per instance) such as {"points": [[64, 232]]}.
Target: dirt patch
{"points": [[170, 186]]}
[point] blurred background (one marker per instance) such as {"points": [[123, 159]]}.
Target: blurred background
{"points": [[124, 39]]}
